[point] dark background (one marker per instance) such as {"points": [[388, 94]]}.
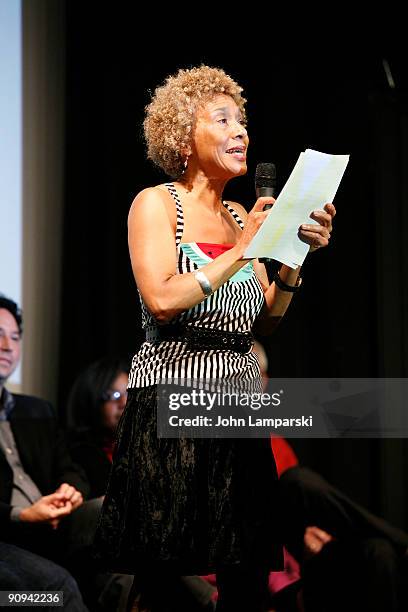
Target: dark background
{"points": [[350, 318]]}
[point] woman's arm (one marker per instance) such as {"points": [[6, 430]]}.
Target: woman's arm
{"points": [[276, 301], [154, 258]]}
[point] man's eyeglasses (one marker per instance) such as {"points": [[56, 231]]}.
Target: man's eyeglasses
{"points": [[113, 396]]}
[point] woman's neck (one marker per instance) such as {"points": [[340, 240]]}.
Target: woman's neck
{"points": [[204, 190]]}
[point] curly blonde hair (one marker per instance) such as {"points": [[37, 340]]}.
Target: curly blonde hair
{"points": [[170, 116]]}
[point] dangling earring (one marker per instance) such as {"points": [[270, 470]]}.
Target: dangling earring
{"points": [[185, 164]]}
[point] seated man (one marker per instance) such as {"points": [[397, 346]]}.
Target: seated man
{"points": [[349, 558], [42, 490], [39, 483]]}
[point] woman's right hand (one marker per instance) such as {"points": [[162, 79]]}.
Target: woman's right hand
{"points": [[253, 222]]}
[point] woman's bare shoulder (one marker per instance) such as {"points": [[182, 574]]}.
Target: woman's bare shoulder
{"points": [[238, 209], [152, 200], [149, 195]]}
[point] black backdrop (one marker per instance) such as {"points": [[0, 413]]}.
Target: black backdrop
{"points": [[350, 319]]}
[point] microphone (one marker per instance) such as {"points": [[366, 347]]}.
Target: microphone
{"points": [[265, 186], [265, 181]]}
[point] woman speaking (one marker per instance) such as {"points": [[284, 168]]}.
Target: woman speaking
{"points": [[192, 506]]}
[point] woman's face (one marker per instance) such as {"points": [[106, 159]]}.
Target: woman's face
{"points": [[220, 139], [112, 408]]}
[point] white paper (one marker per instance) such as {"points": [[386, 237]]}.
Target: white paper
{"points": [[313, 182]]}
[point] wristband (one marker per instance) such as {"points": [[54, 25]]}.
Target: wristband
{"points": [[284, 286], [204, 283]]}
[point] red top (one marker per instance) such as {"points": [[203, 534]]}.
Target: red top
{"points": [[284, 454], [212, 249], [108, 447]]}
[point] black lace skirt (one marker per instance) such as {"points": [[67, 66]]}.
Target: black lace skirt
{"points": [[193, 504]]}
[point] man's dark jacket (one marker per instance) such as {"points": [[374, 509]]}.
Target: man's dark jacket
{"points": [[43, 453]]}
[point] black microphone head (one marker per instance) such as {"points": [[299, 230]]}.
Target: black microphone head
{"points": [[265, 175]]}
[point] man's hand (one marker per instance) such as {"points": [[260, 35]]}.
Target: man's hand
{"points": [[51, 508], [314, 540], [70, 494], [48, 509]]}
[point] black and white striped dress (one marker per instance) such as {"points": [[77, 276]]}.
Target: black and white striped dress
{"points": [[233, 307], [190, 504]]}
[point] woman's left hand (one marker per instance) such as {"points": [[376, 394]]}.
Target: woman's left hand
{"points": [[318, 235]]}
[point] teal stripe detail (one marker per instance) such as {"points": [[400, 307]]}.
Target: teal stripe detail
{"points": [[194, 253]]}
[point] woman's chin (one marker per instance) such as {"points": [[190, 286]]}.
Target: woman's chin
{"points": [[242, 170], [238, 169]]}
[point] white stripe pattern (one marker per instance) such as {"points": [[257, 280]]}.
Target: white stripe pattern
{"points": [[233, 307]]}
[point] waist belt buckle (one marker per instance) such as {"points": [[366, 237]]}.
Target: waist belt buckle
{"points": [[243, 343]]}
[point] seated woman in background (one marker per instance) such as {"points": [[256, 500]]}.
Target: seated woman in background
{"points": [[95, 405]]}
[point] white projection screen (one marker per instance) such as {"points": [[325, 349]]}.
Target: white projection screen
{"points": [[11, 230]]}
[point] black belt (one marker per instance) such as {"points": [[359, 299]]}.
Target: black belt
{"points": [[199, 338]]}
